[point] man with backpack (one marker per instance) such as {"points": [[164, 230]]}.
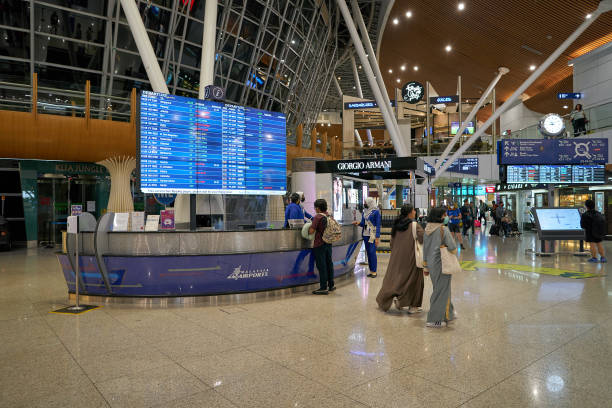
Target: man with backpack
{"points": [[322, 250], [594, 224]]}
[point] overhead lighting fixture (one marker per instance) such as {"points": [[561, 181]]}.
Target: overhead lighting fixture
{"points": [[339, 78], [360, 67], [395, 21], [403, 67], [461, 6], [589, 16], [409, 14], [416, 68], [532, 68], [448, 48], [292, 41], [397, 80], [564, 106], [390, 71]]}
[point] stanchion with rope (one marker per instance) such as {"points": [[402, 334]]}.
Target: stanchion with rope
{"points": [[73, 228]]}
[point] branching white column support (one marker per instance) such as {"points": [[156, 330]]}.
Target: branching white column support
{"points": [[604, 6], [120, 169], [401, 148], [340, 94], [502, 71], [387, 117], [360, 94], [358, 137], [145, 49]]}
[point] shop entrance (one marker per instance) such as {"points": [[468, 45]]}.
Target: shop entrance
{"points": [[56, 195]]}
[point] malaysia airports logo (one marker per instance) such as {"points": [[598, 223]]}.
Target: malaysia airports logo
{"points": [[248, 274]]}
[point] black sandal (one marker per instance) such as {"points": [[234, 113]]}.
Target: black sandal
{"points": [[371, 275]]}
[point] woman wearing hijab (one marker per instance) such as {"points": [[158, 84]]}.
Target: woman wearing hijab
{"points": [[441, 309], [403, 281], [370, 224]]}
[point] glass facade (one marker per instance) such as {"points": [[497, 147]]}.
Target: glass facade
{"points": [[277, 55]]}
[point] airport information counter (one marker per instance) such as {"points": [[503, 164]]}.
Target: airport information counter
{"points": [[184, 263]]}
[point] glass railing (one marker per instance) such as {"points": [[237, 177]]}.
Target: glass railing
{"points": [[598, 118], [63, 102]]}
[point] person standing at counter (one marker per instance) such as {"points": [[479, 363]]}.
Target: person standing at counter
{"points": [[307, 215], [370, 223], [322, 250], [294, 211]]}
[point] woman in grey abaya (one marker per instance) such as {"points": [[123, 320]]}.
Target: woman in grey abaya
{"points": [[441, 308]]}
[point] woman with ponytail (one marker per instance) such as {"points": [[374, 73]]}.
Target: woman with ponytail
{"points": [[403, 282]]}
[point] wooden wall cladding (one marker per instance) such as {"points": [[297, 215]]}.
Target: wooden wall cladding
{"points": [[24, 135]]}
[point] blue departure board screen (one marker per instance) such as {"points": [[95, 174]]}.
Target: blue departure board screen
{"points": [[192, 146]]}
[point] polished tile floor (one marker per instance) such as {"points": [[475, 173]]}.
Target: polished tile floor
{"points": [[522, 339]]}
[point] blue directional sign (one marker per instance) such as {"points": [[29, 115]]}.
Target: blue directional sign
{"points": [[569, 95], [464, 165], [553, 151], [435, 100], [363, 105]]}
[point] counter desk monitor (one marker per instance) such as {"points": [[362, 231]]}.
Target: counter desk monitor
{"points": [[191, 146], [558, 224]]}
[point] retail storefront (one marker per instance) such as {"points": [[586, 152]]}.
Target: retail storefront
{"points": [[519, 199]]}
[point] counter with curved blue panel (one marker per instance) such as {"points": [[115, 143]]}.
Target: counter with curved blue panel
{"points": [[199, 263]]}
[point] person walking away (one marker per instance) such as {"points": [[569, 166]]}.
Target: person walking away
{"points": [[294, 215], [322, 251], [499, 214], [594, 224], [473, 212], [454, 215], [494, 211], [441, 309], [465, 216], [579, 120], [371, 221], [483, 208], [403, 282]]}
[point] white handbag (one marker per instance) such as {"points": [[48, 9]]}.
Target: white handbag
{"points": [[450, 263], [418, 247]]}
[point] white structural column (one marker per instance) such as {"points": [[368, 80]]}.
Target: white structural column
{"points": [[403, 149], [120, 169], [360, 94], [182, 204], [388, 118], [502, 71], [604, 6], [357, 135], [145, 49]]}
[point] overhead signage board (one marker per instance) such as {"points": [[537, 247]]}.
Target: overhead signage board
{"points": [[413, 92], [436, 100], [569, 95], [368, 165], [363, 105], [499, 188], [464, 165], [556, 174], [553, 151], [192, 146]]}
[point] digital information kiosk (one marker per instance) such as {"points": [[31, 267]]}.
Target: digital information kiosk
{"points": [[558, 224]]}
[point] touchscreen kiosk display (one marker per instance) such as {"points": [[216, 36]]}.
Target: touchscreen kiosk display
{"points": [[558, 219]]}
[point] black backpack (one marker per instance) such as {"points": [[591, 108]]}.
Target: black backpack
{"points": [[598, 225]]}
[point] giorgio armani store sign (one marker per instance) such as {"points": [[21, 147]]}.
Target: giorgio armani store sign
{"points": [[396, 167]]}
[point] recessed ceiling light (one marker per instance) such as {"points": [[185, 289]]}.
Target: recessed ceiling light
{"points": [[416, 68], [397, 80], [589, 16], [564, 106], [354, 88], [339, 78], [360, 67], [395, 21], [409, 14], [448, 48], [390, 71], [292, 41], [532, 68], [461, 6], [403, 67]]}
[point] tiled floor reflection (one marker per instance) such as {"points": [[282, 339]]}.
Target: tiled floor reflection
{"points": [[521, 340]]}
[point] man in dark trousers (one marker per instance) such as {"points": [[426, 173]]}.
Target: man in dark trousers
{"points": [[594, 224], [322, 250]]}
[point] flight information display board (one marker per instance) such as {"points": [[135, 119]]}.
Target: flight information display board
{"points": [[553, 151], [555, 174], [192, 146]]}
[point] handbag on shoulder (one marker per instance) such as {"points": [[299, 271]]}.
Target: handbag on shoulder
{"points": [[450, 263]]}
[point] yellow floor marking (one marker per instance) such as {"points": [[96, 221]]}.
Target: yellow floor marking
{"points": [[565, 273]]}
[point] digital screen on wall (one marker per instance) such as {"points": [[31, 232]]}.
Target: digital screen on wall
{"points": [[192, 146], [556, 174], [558, 219], [469, 129]]}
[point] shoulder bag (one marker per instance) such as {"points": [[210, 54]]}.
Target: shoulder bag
{"points": [[450, 263], [418, 247]]}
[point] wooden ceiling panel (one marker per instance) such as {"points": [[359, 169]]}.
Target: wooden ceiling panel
{"points": [[486, 35]]}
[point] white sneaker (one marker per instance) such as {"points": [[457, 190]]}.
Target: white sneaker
{"points": [[435, 325], [412, 310], [396, 303]]}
